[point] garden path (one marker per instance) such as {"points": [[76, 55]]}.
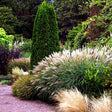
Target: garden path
{"points": [[9, 103]]}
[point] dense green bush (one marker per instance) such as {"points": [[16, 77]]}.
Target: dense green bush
{"points": [[22, 63], [25, 54], [18, 38], [81, 37], [77, 36], [85, 69], [6, 82], [72, 34], [45, 38], [24, 87]]}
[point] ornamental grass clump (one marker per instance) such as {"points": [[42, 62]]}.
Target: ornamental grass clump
{"points": [[22, 63], [74, 101], [59, 58], [16, 73], [87, 69], [103, 104], [24, 87]]}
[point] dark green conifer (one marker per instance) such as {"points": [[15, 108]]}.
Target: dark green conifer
{"points": [[45, 38]]}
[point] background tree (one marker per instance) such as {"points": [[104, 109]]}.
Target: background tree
{"points": [[45, 38], [70, 13], [7, 20], [25, 10]]}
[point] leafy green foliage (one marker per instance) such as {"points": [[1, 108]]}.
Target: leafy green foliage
{"points": [[24, 87], [6, 82], [77, 36], [101, 19], [70, 13], [45, 38], [7, 20], [25, 10], [5, 39], [25, 54], [101, 42], [81, 37], [72, 34], [26, 46]]}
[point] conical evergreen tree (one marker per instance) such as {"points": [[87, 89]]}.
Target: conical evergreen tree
{"points": [[45, 38]]}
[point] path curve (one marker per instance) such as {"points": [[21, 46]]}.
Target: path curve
{"points": [[9, 103]]}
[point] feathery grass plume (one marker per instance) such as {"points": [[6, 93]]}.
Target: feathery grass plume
{"points": [[76, 55], [27, 60], [47, 61], [17, 72], [102, 104], [72, 101]]}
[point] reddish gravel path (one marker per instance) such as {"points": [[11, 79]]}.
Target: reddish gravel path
{"points": [[8, 103]]}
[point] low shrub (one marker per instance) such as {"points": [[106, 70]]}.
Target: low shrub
{"points": [[22, 63], [6, 82], [86, 69], [24, 87]]}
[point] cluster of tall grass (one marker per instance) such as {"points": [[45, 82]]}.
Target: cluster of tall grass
{"points": [[87, 69]]}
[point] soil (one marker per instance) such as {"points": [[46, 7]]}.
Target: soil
{"points": [[9, 103]]}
